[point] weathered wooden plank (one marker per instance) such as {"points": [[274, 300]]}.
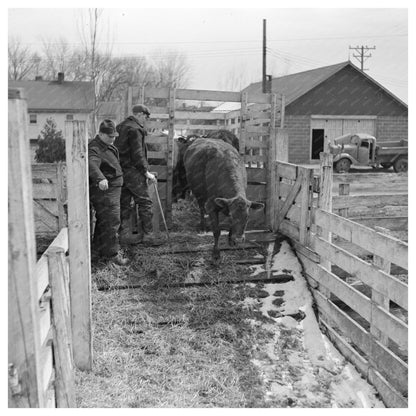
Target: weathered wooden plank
{"points": [[154, 92], [198, 115], [44, 171], [390, 223], [389, 394], [385, 361], [383, 320], [157, 124], [374, 200], [25, 370], [256, 144], [289, 229], [207, 95], [44, 190], [256, 175], [190, 127], [305, 196], [47, 369], [290, 199], [157, 111], [388, 285], [287, 170], [257, 130], [79, 244], [389, 247], [255, 159], [64, 372]]}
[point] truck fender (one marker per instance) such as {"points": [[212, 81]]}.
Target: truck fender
{"points": [[344, 156]]}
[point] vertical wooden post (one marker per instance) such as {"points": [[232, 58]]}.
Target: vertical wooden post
{"points": [[156, 208], [282, 112], [306, 197], [129, 102], [61, 318], [25, 375], [344, 189], [79, 245], [171, 135], [141, 95], [282, 145], [271, 159], [61, 194], [325, 203], [243, 115]]}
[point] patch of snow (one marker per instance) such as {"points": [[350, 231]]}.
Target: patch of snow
{"points": [[257, 269]]}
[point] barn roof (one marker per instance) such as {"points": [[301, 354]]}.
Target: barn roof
{"points": [[50, 96], [294, 86]]}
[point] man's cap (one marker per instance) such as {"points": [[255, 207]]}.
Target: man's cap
{"points": [[141, 108], [108, 127]]}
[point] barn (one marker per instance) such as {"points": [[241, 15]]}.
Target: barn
{"points": [[330, 101]]}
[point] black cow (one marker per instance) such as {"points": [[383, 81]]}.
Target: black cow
{"points": [[180, 184], [217, 177]]}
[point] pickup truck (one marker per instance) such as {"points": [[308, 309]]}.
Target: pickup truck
{"points": [[362, 149]]}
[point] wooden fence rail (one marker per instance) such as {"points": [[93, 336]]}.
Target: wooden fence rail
{"points": [[362, 306]]}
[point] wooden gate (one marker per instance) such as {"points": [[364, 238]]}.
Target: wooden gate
{"points": [[184, 112]]}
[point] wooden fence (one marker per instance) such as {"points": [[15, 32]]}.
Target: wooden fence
{"points": [[49, 300], [49, 198], [256, 124], [362, 306]]}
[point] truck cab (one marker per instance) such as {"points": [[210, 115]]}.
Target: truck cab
{"points": [[357, 149]]}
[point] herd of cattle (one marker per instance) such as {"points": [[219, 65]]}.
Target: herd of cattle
{"points": [[212, 169]]}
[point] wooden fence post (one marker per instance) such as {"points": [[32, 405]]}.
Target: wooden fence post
{"points": [[243, 115], [170, 137], [282, 113], [271, 159], [79, 244], [61, 195], [306, 198], [282, 145], [62, 337], [25, 375], [344, 189], [325, 203]]}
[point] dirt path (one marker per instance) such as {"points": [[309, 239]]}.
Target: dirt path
{"points": [[198, 334]]}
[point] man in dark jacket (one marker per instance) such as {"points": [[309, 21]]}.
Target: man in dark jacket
{"points": [[105, 182], [133, 159]]}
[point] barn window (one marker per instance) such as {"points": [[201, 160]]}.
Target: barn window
{"points": [[33, 118], [69, 117]]}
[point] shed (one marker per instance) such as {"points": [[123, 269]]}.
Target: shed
{"points": [[327, 102]]}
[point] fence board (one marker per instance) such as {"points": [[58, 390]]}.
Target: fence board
{"points": [[207, 95], [390, 248], [370, 275], [43, 171], [383, 320], [23, 314], [386, 361], [79, 240], [374, 200], [44, 190], [287, 170]]}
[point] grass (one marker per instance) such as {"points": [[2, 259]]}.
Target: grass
{"points": [[162, 345]]}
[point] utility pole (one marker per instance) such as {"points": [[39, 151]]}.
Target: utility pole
{"points": [[264, 58], [361, 57]]}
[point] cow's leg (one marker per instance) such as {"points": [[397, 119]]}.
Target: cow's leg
{"points": [[202, 224], [216, 231]]}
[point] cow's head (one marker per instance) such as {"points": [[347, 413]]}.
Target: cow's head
{"points": [[238, 209]]}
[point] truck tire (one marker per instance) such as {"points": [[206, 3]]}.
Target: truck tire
{"points": [[400, 165], [343, 165]]}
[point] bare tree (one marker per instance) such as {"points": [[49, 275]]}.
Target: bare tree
{"points": [[171, 69], [56, 57], [235, 79], [22, 61]]}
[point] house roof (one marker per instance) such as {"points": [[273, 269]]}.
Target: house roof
{"points": [[69, 96], [294, 86]]}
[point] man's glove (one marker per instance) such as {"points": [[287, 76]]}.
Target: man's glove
{"points": [[103, 184], [151, 177]]}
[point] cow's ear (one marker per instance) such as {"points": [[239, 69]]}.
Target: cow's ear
{"points": [[256, 205], [221, 202]]}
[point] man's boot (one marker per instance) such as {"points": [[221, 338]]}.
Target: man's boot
{"points": [[126, 237], [151, 240], [119, 259]]}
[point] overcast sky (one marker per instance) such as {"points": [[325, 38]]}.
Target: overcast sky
{"points": [[218, 42]]}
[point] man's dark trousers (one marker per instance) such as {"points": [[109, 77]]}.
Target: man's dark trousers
{"points": [[107, 214], [135, 185]]}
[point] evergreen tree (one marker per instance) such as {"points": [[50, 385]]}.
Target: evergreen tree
{"points": [[51, 144]]}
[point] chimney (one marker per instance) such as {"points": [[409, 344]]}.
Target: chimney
{"points": [[61, 77], [38, 78]]}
